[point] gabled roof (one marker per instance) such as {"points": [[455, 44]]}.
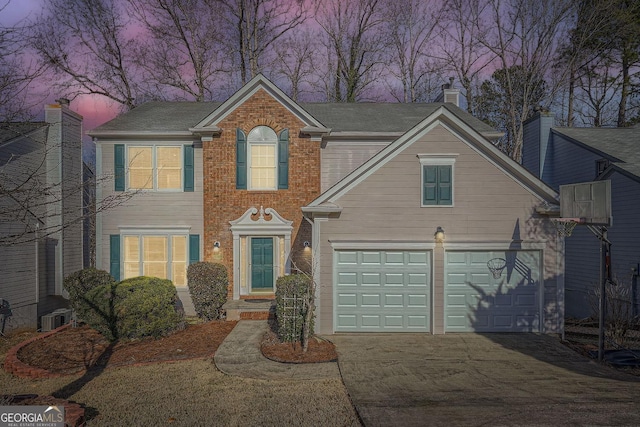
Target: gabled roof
{"points": [[259, 82], [619, 145], [189, 118], [444, 115]]}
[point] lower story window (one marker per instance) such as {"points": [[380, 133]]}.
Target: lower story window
{"points": [[157, 256]]}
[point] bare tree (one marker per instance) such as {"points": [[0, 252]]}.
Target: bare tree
{"points": [[524, 34], [295, 56], [41, 183], [88, 45], [254, 26], [598, 90], [17, 73], [184, 50], [355, 42], [461, 51], [410, 27]]}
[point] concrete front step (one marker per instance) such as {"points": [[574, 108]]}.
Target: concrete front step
{"points": [[250, 309]]}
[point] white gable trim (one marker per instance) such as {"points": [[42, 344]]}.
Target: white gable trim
{"points": [[442, 116], [246, 92]]}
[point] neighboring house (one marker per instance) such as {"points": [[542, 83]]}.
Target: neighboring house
{"points": [[352, 192], [570, 155], [40, 209]]}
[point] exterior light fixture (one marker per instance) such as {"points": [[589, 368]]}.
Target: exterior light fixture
{"points": [[306, 244], [216, 245], [439, 235]]}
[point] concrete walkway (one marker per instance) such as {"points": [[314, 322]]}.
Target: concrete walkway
{"points": [[481, 379], [240, 355]]}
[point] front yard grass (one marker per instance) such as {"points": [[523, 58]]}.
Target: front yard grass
{"points": [[193, 393]]}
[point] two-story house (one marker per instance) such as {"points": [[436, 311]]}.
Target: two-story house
{"points": [[406, 215], [41, 236], [561, 155]]}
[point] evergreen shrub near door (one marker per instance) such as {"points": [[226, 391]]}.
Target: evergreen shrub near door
{"points": [[292, 298], [208, 283], [134, 308]]}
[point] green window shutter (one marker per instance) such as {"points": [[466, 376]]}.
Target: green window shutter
{"points": [[118, 162], [194, 248], [430, 185], [437, 185], [114, 257], [283, 160], [241, 160], [188, 168], [445, 194]]}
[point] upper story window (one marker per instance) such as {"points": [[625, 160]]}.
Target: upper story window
{"points": [[153, 167], [437, 179], [262, 159]]}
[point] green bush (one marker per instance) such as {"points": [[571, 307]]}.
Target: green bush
{"points": [[134, 308], [81, 282], [292, 297], [147, 306], [208, 283]]}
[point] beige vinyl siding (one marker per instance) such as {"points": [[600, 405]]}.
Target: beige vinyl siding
{"points": [[151, 210], [488, 206], [340, 158]]}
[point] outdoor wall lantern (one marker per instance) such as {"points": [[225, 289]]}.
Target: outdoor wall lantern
{"points": [[439, 235], [306, 244], [216, 245]]}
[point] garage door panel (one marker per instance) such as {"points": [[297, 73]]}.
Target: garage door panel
{"points": [[347, 300], [347, 258], [417, 301], [526, 300], [370, 300], [418, 259], [394, 258], [369, 258], [385, 291], [476, 301], [417, 279], [347, 279]]}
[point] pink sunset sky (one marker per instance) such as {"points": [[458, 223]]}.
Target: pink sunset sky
{"points": [[95, 110]]}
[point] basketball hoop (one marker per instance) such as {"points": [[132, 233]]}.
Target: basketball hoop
{"points": [[496, 265], [565, 226]]}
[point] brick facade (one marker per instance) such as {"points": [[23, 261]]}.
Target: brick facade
{"points": [[224, 203]]}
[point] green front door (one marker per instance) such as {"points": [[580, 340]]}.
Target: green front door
{"points": [[262, 263]]}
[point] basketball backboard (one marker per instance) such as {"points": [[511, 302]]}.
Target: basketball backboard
{"points": [[589, 201]]}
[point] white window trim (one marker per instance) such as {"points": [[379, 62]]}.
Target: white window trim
{"points": [[445, 159], [154, 167], [140, 233], [250, 144]]}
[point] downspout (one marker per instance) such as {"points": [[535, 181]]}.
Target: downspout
{"points": [[37, 263]]}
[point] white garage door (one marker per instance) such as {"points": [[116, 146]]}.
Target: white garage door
{"points": [[477, 301], [382, 291]]}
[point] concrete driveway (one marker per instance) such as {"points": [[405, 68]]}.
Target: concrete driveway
{"points": [[481, 379]]}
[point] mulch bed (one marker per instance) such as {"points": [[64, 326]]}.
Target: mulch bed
{"points": [[76, 349], [318, 351]]}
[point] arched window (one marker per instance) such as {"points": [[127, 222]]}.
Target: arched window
{"points": [[263, 160]]}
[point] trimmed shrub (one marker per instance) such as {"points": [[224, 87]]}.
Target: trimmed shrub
{"points": [[134, 308], [208, 283], [146, 306], [79, 283], [292, 303]]}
